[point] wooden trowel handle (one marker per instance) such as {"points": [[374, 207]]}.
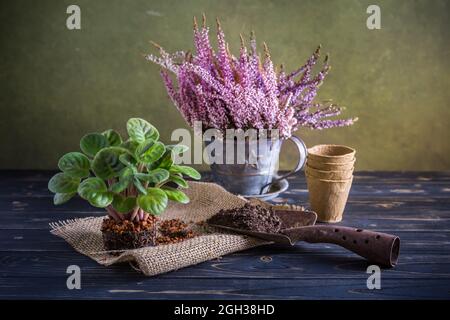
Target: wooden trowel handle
{"points": [[379, 248]]}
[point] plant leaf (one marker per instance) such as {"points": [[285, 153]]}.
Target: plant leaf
{"points": [[127, 173], [121, 185], [139, 186], [165, 162], [125, 178], [177, 148], [143, 147], [63, 183], [152, 153], [123, 204], [92, 143], [140, 130], [130, 145], [106, 164], [154, 202], [188, 171], [96, 192], [75, 164], [178, 180], [127, 160], [113, 137], [176, 195], [154, 176], [60, 198]]}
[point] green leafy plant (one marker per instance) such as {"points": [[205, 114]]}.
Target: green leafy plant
{"points": [[131, 178]]}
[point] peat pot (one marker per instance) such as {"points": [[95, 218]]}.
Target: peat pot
{"points": [[132, 239]]}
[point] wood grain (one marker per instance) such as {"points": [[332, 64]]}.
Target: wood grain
{"points": [[412, 205]]}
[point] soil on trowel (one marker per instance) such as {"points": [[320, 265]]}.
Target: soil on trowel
{"points": [[249, 217]]}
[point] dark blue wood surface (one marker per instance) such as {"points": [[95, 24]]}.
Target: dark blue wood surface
{"points": [[414, 206]]}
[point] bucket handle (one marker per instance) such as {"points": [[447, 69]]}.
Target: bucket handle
{"points": [[302, 152]]}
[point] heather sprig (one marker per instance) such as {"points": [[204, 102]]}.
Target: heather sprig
{"points": [[223, 91]]}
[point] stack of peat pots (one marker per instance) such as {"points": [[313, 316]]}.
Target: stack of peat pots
{"points": [[329, 175]]}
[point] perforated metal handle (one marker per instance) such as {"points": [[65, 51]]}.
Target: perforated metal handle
{"points": [[377, 247]]}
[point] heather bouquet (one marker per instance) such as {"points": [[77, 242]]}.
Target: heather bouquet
{"points": [[224, 91]]}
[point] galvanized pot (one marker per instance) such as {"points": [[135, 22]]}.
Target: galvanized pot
{"points": [[250, 167]]}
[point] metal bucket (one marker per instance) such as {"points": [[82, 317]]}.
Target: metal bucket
{"points": [[249, 167]]}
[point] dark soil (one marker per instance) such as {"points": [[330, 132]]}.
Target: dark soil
{"points": [[151, 232], [249, 217], [129, 235], [173, 231]]}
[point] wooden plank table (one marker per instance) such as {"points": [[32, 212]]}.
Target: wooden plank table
{"points": [[412, 205]]}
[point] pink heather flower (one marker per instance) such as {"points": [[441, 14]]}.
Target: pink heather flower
{"points": [[222, 57], [223, 91]]}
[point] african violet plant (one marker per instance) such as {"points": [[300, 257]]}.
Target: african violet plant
{"points": [[224, 91], [129, 178]]}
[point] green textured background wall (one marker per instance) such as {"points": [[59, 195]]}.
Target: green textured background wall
{"points": [[58, 84]]}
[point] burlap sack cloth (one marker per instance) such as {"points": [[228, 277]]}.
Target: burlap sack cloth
{"points": [[206, 199]]}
